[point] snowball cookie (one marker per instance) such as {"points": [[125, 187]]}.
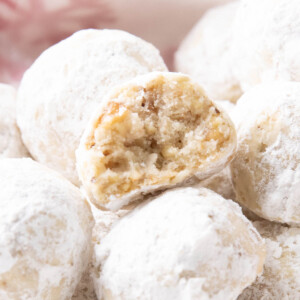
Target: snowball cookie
{"points": [[45, 232], [67, 82], [266, 169], [185, 244], [156, 131], [266, 41], [205, 54], [11, 144], [281, 275]]}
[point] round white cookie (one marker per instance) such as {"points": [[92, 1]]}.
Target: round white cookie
{"points": [[205, 53], [64, 86], [266, 42], [11, 144], [266, 169], [281, 275], [185, 244], [45, 232], [158, 130]]}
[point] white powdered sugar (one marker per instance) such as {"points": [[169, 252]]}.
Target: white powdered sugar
{"points": [[220, 183], [281, 275], [184, 244], [45, 232], [104, 221], [64, 86], [11, 144], [205, 53], [266, 41], [266, 170]]}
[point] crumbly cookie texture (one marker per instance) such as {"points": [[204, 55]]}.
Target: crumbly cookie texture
{"points": [[185, 244], [11, 144], [205, 53], [281, 275], [266, 49], [45, 232], [221, 182], [266, 169], [61, 90], [157, 131]]}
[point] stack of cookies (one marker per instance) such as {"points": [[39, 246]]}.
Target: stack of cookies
{"points": [[121, 180]]}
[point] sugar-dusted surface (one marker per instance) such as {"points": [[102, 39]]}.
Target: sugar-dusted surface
{"points": [[266, 42], [266, 169], [45, 232], [205, 53], [220, 183], [104, 220], [61, 90], [185, 244], [281, 276]]}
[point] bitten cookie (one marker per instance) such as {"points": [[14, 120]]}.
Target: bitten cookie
{"points": [[45, 232], [61, 90], [266, 169], [205, 53], [11, 144], [266, 41], [157, 131], [281, 275], [185, 244]]}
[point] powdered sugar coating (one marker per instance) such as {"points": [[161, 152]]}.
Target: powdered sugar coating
{"points": [[104, 220], [11, 144], [266, 41], [205, 53], [45, 232], [266, 169], [281, 276], [61, 90], [220, 183], [185, 244]]}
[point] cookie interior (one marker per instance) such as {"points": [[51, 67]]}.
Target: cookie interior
{"points": [[155, 134]]}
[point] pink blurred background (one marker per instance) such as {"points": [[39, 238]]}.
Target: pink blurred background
{"points": [[27, 27]]}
